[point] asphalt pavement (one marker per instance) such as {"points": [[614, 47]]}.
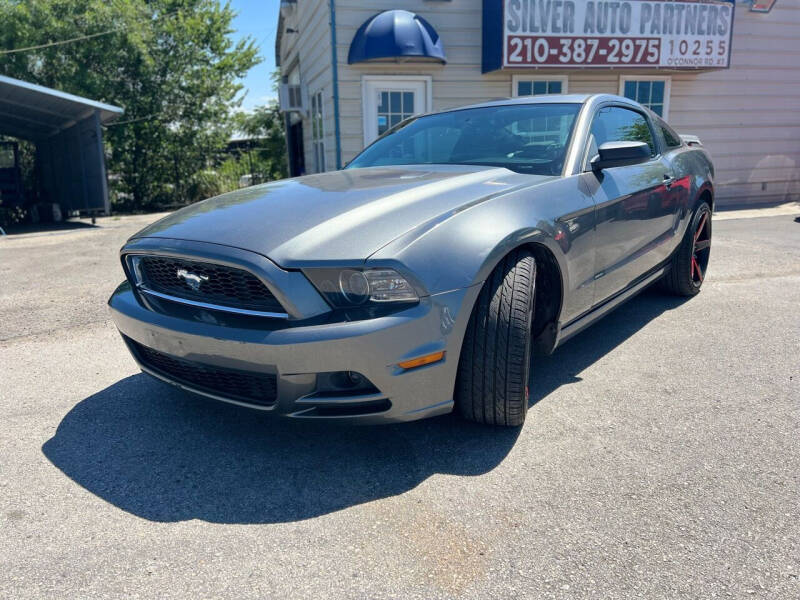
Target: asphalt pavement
{"points": [[660, 458]]}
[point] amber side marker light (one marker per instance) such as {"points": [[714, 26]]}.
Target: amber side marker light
{"points": [[421, 361]]}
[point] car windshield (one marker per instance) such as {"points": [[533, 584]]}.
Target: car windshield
{"points": [[526, 138]]}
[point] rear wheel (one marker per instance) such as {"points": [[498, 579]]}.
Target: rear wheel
{"points": [[492, 382], [690, 262]]}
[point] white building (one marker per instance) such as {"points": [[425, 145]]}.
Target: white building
{"points": [[728, 73]]}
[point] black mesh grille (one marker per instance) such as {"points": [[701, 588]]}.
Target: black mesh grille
{"points": [[218, 284], [255, 388]]}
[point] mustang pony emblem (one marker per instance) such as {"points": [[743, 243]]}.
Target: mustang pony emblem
{"points": [[192, 280]]}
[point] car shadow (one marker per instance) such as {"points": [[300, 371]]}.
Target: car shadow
{"points": [[166, 456], [46, 228], [563, 366]]}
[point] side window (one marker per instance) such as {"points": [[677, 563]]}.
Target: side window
{"points": [[616, 124], [672, 139]]}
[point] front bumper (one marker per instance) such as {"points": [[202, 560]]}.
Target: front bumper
{"points": [[296, 354]]}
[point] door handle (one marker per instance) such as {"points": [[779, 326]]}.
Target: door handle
{"points": [[668, 181]]}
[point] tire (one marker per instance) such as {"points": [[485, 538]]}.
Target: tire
{"points": [[689, 263], [493, 370]]}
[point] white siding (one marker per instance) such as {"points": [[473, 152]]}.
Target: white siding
{"points": [[748, 116], [456, 83], [310, 49]]}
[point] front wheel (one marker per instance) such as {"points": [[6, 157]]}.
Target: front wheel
{"points": [[492, 381], [690, 262]]}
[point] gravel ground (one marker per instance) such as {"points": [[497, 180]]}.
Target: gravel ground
{"points": [[660, 459]]}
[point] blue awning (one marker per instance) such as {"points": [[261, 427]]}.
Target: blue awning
{"points": [[396, 34]]}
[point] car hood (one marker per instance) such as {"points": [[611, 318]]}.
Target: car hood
{"points": [[338, 217]]}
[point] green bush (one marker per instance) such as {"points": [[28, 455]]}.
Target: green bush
{"points": [[204, 184], [9, 215]]}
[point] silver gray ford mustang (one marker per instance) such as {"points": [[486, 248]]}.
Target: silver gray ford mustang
{"points": [[420, 278]]}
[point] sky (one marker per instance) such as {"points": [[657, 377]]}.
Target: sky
{"points": [[257, 19]]}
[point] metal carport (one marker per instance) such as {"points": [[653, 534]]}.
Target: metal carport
{"points": [[69, 143]]}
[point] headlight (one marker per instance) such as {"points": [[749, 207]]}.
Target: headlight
{"points": [[357, 287]]}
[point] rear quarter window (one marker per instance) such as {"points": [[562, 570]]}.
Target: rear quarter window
{"points": [[671, 138]]}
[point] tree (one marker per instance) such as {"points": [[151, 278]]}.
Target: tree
{"points": [[264, 125], [170, 63]]}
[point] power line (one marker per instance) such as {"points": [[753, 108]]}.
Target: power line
{"points": [[59, 43], [136, 120], [167, 15]]}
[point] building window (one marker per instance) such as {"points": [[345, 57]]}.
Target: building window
{"points": [[652, 92], [547, 129], [393, 107], [537, 86], [390, 99], [318, 132]]}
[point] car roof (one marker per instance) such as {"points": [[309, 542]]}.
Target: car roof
{"points": [[540, 99], [548, 99]]}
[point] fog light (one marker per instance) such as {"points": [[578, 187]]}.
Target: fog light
{"points": [[348, 381], [354, 378]]}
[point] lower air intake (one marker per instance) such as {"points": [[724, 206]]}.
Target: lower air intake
{"points": [[254, 388]]}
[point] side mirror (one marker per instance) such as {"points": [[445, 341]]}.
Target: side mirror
{"points": [[620, 154]]}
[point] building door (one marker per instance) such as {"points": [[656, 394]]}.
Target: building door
{"points": [[10, 174], [389, 100], [297, 159]]}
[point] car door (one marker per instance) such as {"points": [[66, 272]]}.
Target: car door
{"points": [[635, 209], [675, 153]]}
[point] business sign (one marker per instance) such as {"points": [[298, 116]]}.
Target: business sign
{"points": [[679, 34], [761, 6]]}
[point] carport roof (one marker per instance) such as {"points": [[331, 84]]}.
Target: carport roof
{"points": [[33, 112]]}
